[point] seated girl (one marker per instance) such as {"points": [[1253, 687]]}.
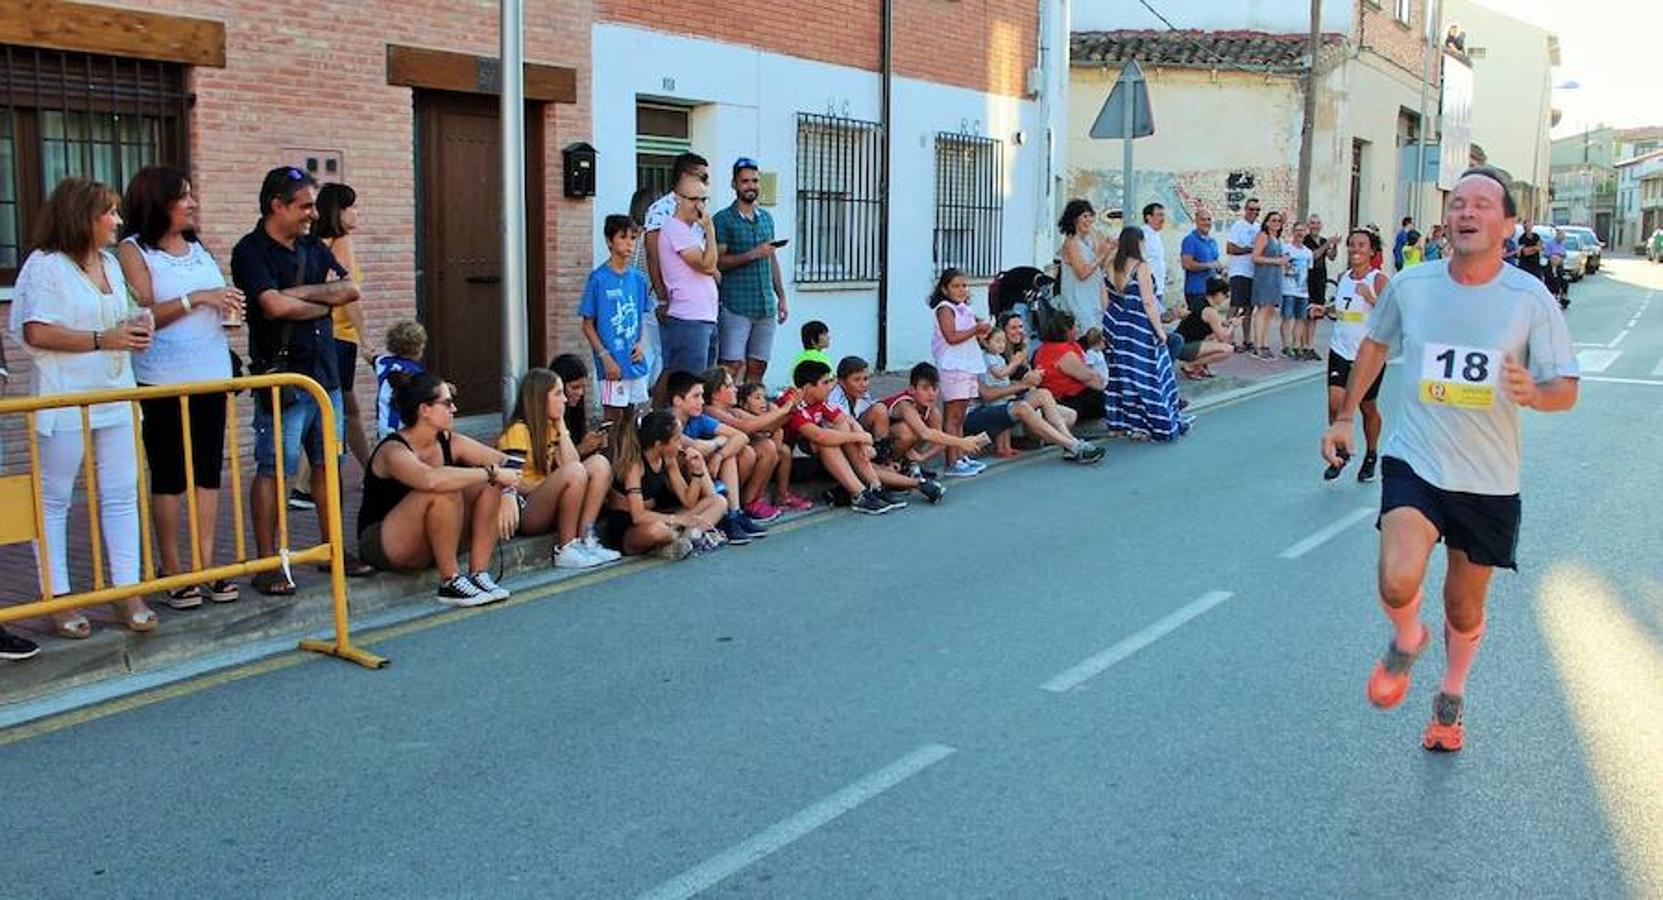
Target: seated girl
{"points": [[559, 491], [656, 506], [426, 490]]}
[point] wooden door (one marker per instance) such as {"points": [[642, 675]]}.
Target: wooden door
{"points": [[459, 278]]}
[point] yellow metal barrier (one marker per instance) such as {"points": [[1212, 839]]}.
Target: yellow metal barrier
{"points": [[16, 490]]}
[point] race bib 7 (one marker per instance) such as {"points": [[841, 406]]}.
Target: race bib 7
{"points": [[1462, 377]]}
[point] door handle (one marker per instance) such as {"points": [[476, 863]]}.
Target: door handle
{"points": [[484, 279]]}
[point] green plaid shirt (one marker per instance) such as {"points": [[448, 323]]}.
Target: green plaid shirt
{"points": [[747, 290]]}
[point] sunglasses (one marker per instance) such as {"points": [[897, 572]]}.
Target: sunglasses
{"points": [[745, 162], [445, 401], [694, 199]]}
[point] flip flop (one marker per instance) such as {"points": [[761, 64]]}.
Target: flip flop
{"points": [[73, 629], [272, 584]]}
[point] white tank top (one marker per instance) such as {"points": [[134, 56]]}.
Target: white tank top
{"points": [[1351, 311], [192, 347]]}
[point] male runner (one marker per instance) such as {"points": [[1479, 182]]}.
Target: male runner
{"points": [[1480, 340], [1360, 287]]}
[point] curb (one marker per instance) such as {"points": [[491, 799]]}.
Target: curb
{"points": [[133, 665]]}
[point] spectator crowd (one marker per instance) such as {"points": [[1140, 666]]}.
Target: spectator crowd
{"points": [[691, 449]]}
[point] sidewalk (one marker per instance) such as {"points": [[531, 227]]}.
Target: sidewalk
{"points": [[219, 635]]}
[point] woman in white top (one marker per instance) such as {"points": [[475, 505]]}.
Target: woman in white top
{"points": [[174, 276], [70, 310], [1082, 290]]}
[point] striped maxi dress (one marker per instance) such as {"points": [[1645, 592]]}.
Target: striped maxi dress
{"points": [[1141, 397]]}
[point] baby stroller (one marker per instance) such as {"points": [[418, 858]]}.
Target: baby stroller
{"points": [[1024, 290]]}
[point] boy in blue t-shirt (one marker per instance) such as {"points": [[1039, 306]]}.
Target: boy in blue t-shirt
{"points": [[614, 302]]}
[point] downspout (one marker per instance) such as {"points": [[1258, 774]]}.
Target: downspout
{"points": [[887, 76]]}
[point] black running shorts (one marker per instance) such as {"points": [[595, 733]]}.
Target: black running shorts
{"points": [[1339, 373], [1483, 526]]}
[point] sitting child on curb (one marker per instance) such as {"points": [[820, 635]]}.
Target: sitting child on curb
{"points": [[843, 447], [853, 395], [655, 506], [722, 447], [559, 491], [915, 420], [1003, 404], [747, 409], [757, 459]]}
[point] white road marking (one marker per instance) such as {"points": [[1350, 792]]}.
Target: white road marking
{"points": [[1100, 663], [1596, 360], [786, 831], [1607, 379], [1327, 534], [1590, 344], [1619, 338]]}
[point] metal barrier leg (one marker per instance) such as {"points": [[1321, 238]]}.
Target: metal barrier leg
{"points": [[342, 645]]}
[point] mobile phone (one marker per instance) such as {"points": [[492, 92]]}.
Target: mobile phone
{"points": [[515, 461], [605, 425], [781, 242]]}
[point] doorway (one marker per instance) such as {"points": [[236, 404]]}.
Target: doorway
{"points": [[459, 241]]}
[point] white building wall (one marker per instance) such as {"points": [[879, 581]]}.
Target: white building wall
{"points": [[1213, 15], [745, 103], [1512, 88]]}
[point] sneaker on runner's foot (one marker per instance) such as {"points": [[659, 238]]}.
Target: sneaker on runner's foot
{"points": [[1365, 473], [1389, 682], [1444, 734]]}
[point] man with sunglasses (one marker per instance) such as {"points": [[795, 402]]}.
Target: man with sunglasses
{"points": [[292, 283], [687, 265], [752, 289]]}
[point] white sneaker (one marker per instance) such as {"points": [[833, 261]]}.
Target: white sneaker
{"points": [[962, 468], [600, 551], [575, 556], [486, 583]]}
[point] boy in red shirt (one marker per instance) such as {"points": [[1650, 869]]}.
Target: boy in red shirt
{"points": [[917, 420], [832, 437]]}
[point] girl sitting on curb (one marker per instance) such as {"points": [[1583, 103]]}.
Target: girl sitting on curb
{"points": [[558, 490], [656, 508]]}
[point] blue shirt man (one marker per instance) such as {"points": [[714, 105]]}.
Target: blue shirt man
{"points": [[1199, 256], [1399, 242]]}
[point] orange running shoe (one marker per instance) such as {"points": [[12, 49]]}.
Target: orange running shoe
{"points": [[1444, 733], [1389, 682]]}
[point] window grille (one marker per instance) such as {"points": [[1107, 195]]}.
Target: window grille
{"points": [[84, 114], [969, 204], [840, 183]]}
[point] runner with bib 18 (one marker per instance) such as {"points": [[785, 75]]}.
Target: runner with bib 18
{"points": [[1480, 341]]}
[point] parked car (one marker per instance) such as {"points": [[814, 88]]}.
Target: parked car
{"points": [[1591, 245], [1577, 254]]}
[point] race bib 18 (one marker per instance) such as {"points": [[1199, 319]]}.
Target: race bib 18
{"points": [[1463, 377]]}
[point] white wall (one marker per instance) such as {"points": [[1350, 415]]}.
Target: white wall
{"points": [[1511, 89], [1213, 15], [746, 104]]}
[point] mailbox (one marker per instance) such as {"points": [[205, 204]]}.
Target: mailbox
{"points": [[578, 162]]}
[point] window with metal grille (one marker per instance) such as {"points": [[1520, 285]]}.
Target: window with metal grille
{"points": [[839, 198], [969, 206], [64, 114]]}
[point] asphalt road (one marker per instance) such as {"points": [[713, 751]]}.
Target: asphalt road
{"points": [[1143, 679]]}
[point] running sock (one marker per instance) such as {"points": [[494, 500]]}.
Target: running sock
{"points": [[1406, 620], [1460, 649]]}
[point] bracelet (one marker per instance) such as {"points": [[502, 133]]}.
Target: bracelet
{"points": [[185, 301], [97, 340], [491, 475]]}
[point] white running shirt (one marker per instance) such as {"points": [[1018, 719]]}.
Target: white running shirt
{"points": [[1351, 311]]}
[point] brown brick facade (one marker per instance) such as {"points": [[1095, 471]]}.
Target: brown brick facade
{"points": [[983, 45], [1402, 44], [317, 79]]}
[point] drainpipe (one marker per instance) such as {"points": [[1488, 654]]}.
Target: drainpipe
{"points": [[887, 64], [513, 200], [1427, 58]]}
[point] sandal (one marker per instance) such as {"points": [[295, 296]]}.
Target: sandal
{"points": [[184, 598], [75, 628], [273, 584], [223, 591], [143, 620]]}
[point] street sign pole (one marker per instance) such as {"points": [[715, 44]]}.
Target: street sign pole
{"points": [[1126, 115], [1127, 124]]}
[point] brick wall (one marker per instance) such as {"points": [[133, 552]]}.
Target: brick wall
{"points": [[1386, 35], [984, 45], [320, 82]]}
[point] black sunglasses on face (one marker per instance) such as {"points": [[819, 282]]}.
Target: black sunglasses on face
{"points": [[446, 401]]}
